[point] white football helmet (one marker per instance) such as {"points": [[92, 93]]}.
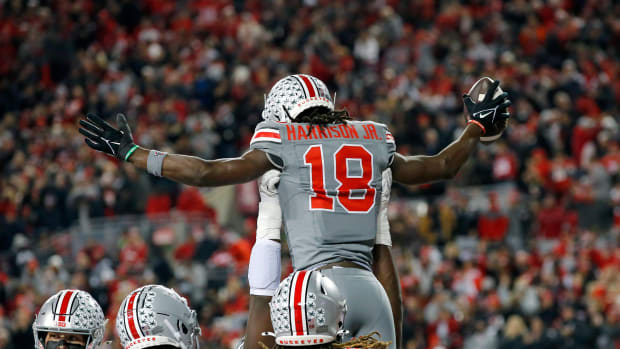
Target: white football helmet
{"points": [[155, 315], [70, 311], [293, 94], [307, 309]]}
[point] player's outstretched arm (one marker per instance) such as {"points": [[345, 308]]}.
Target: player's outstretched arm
{"points": [[444, 165], [198, 172], [385, 271], [186, 169]]}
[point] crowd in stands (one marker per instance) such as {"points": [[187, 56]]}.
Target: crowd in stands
{"points": [[534, 262]]}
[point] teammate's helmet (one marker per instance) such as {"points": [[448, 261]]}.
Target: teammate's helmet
{"points": [[307, 309], [70, 311], [155, 315], [293, 94]]}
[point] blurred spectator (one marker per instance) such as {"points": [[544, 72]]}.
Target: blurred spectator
{"points": [[493, 225], [536, 267], [514, 333]]}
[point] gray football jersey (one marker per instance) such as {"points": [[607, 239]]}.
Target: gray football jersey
{"points": [[330, 187]]}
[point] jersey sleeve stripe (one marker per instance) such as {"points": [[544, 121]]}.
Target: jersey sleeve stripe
{"points": [[261, 133], [265, 139], [389, 138], [269, 135]]}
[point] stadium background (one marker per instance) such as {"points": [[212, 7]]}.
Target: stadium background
{"points": [[521, 249]]}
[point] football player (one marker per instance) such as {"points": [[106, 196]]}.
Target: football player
{"points": [[330, 184], [70, 319], [156, 316], [265, 259], [309, 311]]}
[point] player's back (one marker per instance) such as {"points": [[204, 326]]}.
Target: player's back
{"points": [[330, 187]]}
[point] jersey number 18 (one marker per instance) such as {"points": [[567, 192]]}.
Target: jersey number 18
{"points": [[348, 184]]}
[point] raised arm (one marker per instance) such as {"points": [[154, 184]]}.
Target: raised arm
{"points": [[445, 165], [420, 169], [186, 169]]}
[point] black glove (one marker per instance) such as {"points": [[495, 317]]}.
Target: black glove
{"points": [[103, 137], [489, 110]]}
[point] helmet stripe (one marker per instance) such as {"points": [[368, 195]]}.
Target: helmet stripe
{"points": [[142, 289], [305, 298], [301, 84], [71, 301], [58, 303], [297, 299], [129, 316], [309, 85], [64, 304], [317, 87]]}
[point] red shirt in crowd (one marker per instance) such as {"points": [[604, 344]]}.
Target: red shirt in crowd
{"points": [[191, 202]]}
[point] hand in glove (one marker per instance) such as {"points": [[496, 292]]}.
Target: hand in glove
{"points": [[486, 112], [104, 137]]}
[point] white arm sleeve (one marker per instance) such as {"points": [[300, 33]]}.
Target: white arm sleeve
{"points": [[265, 264], [264, 270], [269, 222], [383, 225]]}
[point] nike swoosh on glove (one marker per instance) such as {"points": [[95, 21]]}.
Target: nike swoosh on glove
{"points": [[486, 112], [104, 137]]}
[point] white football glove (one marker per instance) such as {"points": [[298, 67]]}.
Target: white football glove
{"points": [[268, 185]]}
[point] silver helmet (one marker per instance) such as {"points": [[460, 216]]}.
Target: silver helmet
{"points": [[307, 309], [70, 311], [155, 315], [294, 94]]}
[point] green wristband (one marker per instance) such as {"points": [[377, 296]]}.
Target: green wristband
{"points": [[135, 146]]}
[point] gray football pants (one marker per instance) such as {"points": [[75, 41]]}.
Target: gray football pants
{"points": [[368, 306]]}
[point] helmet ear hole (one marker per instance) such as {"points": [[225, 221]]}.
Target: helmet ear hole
{"points": [[184, 329], [323, 290]]}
